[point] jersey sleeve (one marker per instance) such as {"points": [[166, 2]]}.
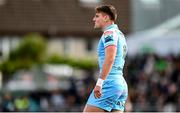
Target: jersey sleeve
{"points": [[109, 38]]}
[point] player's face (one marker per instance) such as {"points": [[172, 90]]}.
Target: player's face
{"points": [[99, 20]]}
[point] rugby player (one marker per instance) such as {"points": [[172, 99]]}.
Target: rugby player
{"points": [[111, 91]]}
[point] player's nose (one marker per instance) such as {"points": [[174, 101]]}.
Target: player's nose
{"points": [[94, 19]]}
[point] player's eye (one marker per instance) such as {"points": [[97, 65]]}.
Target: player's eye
{"points": [[96, 16]]}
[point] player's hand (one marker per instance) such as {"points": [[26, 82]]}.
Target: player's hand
{"points": [[97, 91]]}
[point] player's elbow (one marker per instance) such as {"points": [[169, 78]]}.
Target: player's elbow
{"points": [[111, 60]]}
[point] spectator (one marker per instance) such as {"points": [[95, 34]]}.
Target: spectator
{"points": [[7, 104], [22, 103]]}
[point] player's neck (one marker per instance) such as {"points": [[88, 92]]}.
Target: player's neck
{"points": [[107, 24]]}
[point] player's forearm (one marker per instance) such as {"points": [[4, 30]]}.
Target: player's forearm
{"points": [[108, 62], [106, 68], [105, 71]]}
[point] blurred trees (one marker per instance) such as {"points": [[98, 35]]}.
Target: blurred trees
{"points": [[31, 48], [32, 51]]}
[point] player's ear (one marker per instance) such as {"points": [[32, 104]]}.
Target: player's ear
{"points": [[106, 18]]}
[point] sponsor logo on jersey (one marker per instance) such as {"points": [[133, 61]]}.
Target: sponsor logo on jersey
{"points": [[108, 38], [120, 103]]}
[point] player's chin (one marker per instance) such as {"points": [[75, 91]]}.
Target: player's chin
{"points": [[96, 27]]}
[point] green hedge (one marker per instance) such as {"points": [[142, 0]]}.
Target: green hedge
{"points": [[86, 64]]}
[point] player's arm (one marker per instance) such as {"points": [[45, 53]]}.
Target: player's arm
{"points": [[110, 43], [110, 53]]}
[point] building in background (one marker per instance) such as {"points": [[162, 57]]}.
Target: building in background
{"points": [[161, 39], [66, 23], [146, 14]]}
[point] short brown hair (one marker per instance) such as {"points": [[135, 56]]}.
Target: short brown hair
{"points": [[108, 9]]}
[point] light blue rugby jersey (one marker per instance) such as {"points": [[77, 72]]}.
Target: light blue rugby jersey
{"points": [[113, 36]]}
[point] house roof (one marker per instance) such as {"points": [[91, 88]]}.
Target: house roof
{"points": [[55, 17]]}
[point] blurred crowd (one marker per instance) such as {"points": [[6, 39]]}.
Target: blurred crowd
{"points": [[71, 100], [153, 83]]}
